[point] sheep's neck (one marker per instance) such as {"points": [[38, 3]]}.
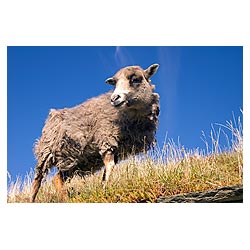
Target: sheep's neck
{"points": [[134, 114]]}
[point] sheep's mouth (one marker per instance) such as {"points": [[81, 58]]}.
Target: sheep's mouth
{"points": [[118, 104]]}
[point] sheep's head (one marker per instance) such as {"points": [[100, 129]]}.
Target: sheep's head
{"points": [[133, 87]]}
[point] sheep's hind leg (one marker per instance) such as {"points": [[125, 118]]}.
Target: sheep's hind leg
{"points": [[109, 162], [58, 182], [36, 184]]}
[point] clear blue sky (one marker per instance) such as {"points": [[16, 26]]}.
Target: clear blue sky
{"points": [[198, 86]]}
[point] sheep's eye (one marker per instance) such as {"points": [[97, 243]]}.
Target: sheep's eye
{"points": [[136, 80]]}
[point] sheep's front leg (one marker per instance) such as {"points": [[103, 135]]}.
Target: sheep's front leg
{"points": [[109, 162]]}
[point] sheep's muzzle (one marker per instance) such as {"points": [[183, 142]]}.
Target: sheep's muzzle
{"points": [[118, 100]]}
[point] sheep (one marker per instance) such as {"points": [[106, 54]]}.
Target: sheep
{"points": [[100, 131]]}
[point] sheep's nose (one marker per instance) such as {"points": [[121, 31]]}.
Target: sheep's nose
{"points": [[116, 100]]}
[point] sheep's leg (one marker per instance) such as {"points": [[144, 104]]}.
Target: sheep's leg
{"points": [[36, 184], [58, 183], [109, 162]]}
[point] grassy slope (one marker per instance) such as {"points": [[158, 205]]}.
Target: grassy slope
{"points": [[145, 178]]}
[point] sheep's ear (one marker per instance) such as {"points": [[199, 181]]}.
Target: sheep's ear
{"points": [[110, 81], [151, 70]]}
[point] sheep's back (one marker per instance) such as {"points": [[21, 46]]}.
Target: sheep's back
{"points": [[77, 131]]}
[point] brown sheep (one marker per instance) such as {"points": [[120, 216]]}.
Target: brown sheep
{"points": [[80, 140]]}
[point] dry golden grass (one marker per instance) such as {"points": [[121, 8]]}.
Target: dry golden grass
{"points": [[172, 170]]}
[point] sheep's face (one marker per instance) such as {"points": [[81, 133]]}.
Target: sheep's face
{"points": [[132, 87]]}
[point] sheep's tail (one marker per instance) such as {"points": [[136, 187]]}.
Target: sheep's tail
{"points": [[41, 170]]}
